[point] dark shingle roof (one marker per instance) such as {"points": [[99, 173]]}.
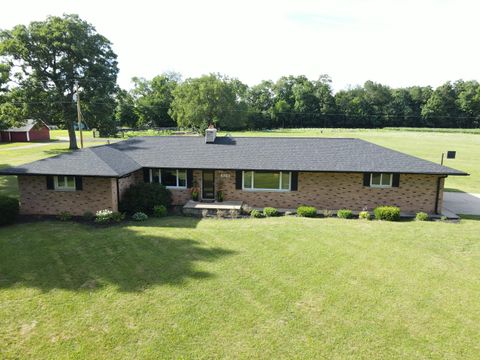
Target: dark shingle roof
{"points": [[252, 153]]}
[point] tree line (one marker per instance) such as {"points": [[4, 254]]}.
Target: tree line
{"points": [[43, 63], [293, 102]]}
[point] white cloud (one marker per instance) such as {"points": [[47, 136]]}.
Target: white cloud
{"points": [[398, 43]]}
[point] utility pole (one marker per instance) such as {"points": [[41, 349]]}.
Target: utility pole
{"points": [[79, 113]]}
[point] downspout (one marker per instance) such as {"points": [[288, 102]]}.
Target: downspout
{"points": [[438, 191], [118, 196]]}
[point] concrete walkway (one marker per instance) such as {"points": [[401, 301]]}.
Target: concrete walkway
{"points": [[462, 203], [34, 145]]}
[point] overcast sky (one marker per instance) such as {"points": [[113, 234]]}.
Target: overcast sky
{"points": [[398, 43]]}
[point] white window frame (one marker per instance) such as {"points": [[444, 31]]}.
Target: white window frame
{"points": [[253, 188], [64, 188], [160, 178], [381, 178]]}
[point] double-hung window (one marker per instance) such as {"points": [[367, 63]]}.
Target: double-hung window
{"points": [[64, 183], [381, 180], [170, 178], [266, 180]]}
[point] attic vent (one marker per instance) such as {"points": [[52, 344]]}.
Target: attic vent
{"points": [[210, 135]]}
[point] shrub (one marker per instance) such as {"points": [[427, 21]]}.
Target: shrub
{"points": [[256, 213], [443, 218], [117, 216], [220, 213], [327, 213], [306, 211], [88, 216], [233, 213], [139, 216], [344, 214], [270, 211], [159, 211], [422, 216], [9, 208], [365, 215], [220, 196], [143, 197], [389, 213], [64, 216], [205, 213], [103, 216]]}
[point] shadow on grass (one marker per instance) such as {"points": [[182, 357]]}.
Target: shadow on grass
{"points": [[54, 255], [469, 217], [8, 183]]}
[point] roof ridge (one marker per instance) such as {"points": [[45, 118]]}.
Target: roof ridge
{"points": [[106, 163]]}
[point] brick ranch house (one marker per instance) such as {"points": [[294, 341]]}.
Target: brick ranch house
{"points": [[328, 173], [33, 130]]}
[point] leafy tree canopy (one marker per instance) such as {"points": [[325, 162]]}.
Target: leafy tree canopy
{"points": [[46, 58]]}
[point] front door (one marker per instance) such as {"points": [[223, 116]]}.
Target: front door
{"points": [[208, 185]]}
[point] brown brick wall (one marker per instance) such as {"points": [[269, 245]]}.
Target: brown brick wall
{"points": [[322, 190], [125, 182], [97, 194], [340, 190]]}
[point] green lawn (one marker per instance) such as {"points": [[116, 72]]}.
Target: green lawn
{"points": [[253, 288], [426, 145]]}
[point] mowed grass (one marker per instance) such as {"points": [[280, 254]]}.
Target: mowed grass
{"points": [[250, 288], [18, 156], [426, 145]]}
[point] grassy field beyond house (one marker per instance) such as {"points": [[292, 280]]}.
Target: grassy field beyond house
{"points": [[270, 288]]}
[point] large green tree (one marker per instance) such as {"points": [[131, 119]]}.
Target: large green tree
{"points": [[209, 99], [51, 56]]}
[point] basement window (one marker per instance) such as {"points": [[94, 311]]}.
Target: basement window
{"points": [[170, 178], [381, 180], [64, 183], [266, 180]]}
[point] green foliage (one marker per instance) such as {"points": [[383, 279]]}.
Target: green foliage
{"points": [[107, 216], [327, 213], [139, 216], [306, 211], [364, 215], [389, 213], [88, 216], [210, 99], [159, 211], [344, 214], [64, 216], [80, 53], [256, 213], [9, 209], [422, 216], [220, 196], [143, 197], [270, 211]]}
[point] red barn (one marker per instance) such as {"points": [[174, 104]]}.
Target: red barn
{"points": [[33, 130]]}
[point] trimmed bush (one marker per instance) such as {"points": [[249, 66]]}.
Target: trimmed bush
{"points": [[88, 216], [117, 217], [344, 214], [388, 213], [256, 213], [9, 208], [422, 216], [64, 216], [159, 211], [364, 215], [143, 197], [306, 211], [327, 213], [103, 216], [270, 211], [139, 216]]}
